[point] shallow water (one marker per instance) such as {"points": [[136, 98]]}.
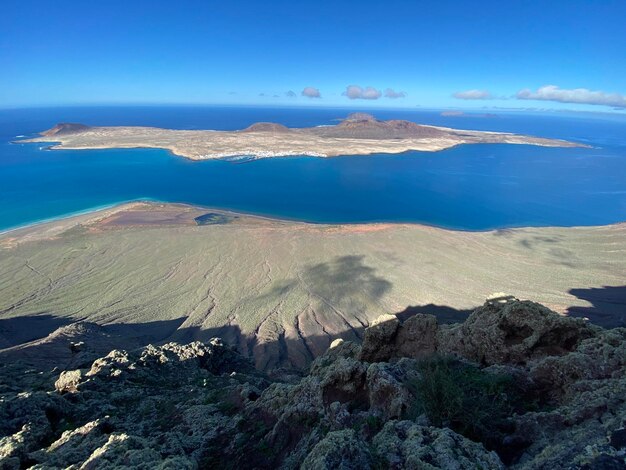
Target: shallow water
{"points": [[471, 187]]}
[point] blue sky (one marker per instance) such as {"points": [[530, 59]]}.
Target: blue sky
{"points": [[72, 52]]}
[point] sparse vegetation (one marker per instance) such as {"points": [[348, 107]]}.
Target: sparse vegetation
{"points": [[142, 279], [467, 399]]}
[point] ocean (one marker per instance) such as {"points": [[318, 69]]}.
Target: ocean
{"points": [[469, 187]]}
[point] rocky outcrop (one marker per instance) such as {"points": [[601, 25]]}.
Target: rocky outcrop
{"points": [[68, 381], [379, 339], [508, 331], [375, 405], [404, 444], [503, 331], [578, 371], [71, 346], [387, 338]]}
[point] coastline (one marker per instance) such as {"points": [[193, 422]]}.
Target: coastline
{"points": [[75, 214], [251, 155], [100, 212]]}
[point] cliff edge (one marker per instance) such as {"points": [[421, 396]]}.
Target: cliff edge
{"points": [[515, 385]]}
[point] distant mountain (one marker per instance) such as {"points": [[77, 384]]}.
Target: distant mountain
{"points": [[266, 127], [366, 126], [64, 128]]}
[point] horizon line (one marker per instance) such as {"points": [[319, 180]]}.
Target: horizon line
{"points": [[483, 109]]}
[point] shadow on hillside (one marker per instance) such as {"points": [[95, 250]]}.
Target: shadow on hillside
{"points": [[50, 341], [36, 338], [340, 293], [443, 313], [345, 277], [53, 348], [608, 307], [18, 330]]}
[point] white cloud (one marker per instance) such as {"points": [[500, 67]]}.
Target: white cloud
{"points": [[355, 92], [291, 94], [576, 95], [311, 92], [472, 95], [390, 93]]}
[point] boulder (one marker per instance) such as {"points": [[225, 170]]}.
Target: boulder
{"points": [[378, 340], [68, 381], [417, 337]]}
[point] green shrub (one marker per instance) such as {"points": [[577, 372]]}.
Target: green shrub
{"points": [[374, 423], [466, 399], [227, 407]]}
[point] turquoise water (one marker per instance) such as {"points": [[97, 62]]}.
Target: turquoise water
{"points": [[470, 187]]}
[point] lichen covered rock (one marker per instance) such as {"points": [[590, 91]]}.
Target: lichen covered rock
{"points": [[68, 381], [388, 395], [404, 444], [202, 405], [339, 450], [506, 330]]}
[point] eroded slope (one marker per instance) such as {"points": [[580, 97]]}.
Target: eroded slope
{"points": [[283, 291]]}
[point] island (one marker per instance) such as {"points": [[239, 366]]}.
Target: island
{"points": [[358, 134]]}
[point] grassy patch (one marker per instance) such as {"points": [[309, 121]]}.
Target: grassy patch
{"points": [[468, 400]]}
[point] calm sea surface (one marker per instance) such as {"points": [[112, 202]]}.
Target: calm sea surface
{"points": [[470, 187]]}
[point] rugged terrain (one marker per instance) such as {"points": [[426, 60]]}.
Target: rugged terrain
{"points": [[515, 385], [359, 134], [282, 291]]}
